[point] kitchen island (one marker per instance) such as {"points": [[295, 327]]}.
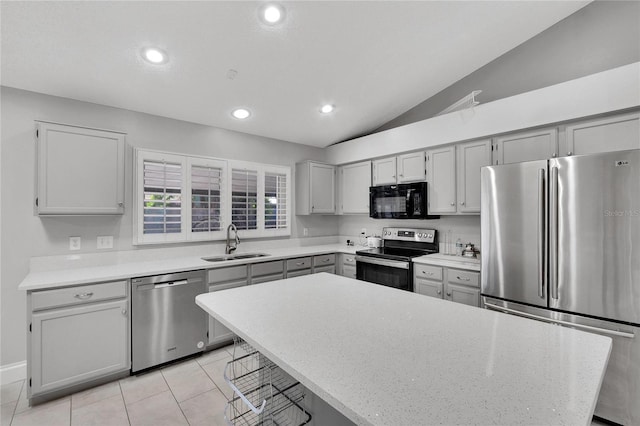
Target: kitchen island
{"points": [[382, 356]]}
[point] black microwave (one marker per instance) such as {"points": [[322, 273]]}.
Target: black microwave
{"points": [[402, 201]]}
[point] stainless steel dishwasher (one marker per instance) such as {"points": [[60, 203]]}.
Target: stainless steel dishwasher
{"points": [[166, 323]]}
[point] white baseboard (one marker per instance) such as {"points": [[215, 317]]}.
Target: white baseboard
{"points": [[13, 372]]}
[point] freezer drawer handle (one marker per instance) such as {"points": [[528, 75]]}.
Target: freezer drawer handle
{"points": [[561, 322]]}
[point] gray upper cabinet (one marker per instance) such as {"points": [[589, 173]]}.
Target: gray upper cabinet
{"points": [[527, 146], [355, 180], [384, 171], [442, 180], [412, 167], [617, 133], [315, 188], [80, 170], [471, 157]]}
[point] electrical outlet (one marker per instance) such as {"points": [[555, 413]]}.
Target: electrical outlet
{"points": [[305, 232], [363, 231], [75, 243], [105, 242]]}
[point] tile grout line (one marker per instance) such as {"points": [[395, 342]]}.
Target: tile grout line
{"points": [[126, 411], [174, 397], [15, 406]]}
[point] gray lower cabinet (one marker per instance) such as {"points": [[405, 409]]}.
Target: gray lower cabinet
{"points": [[347, 265], [222, 279], [456, 285], [298, 266], [324, 263], [78, 334], [267, 271]]}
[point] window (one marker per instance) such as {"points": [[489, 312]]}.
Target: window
{"points": [[207, 182], [275, 201], [244, 198], [188, 198], [162, 185]]}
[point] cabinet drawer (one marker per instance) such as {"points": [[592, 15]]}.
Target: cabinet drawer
{"points": [[349, 271], [328, 268], [298, 263], [298, 273], [428, 271], [76, 295], [324, 259], [227, 274], [349, 259], [267, 278], [457, 276], [267, 268]]}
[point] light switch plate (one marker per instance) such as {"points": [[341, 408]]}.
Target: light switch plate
{"points": [[105, 242], [75, 243]]}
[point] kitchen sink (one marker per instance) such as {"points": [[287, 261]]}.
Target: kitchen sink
{"points": [[226, 257]]}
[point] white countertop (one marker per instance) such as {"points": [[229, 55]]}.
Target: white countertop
{"points": [[382, 356], [39, 280], [460, 262]]}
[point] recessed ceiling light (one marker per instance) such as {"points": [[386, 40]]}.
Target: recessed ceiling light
{"points": [[326, 109], [241, 113], [272, 13], [154, 55]]}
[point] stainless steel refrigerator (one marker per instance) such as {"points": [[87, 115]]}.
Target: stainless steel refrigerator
{"points": [[561, 244]]}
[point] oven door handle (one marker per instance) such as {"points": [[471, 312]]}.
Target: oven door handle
{"points": [[383, 262]]}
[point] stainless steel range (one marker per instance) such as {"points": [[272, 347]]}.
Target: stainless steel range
{"points": [[391, 264]]}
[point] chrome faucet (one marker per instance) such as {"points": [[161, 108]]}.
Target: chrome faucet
{"points": [[229, 248]]}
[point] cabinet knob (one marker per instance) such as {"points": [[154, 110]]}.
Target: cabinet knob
{"points": [[401, 175], [569, 153], [448, 294], [121, 204], [124, 312], [439, 291], [453, 204], [554, 155], [462, 203]]}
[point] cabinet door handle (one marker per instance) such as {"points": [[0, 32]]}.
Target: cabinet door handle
{"points": [[349, 259], [428, 273], [463, 279], [299, 263], [83, 296]]}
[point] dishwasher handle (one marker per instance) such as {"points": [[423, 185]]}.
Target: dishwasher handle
{"points": [[170, 284]]}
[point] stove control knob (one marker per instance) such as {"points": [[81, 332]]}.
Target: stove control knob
{"points": [[430, 236], [419, 235]]}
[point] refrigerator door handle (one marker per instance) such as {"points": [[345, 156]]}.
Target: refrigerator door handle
{"points": [[600, 330], [553, 233], [541, 233]]}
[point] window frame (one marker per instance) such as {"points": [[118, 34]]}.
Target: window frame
{"points": [[187, 162], [160, 238], [224, 219]]}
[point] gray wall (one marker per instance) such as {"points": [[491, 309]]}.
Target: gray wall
{"points": [[25, 235], [598, 37]]}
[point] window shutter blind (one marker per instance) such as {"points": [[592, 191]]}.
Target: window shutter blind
{"points": [[162, 202], [244, 198], [206, 193], [275, 201]]}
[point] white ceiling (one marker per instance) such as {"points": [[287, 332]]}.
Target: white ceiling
{"points": [[373, 59]]}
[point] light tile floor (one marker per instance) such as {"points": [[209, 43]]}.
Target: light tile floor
{"points": [[187, 393], [192, 392]]}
